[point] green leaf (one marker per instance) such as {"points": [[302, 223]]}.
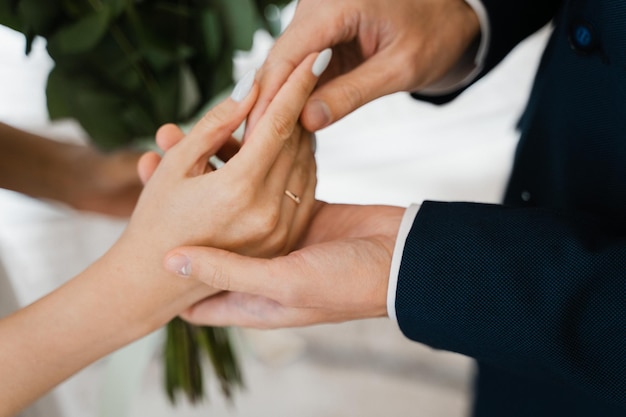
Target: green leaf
{"points": [[212, 34], [76, 8], [240, 18], [222, 76], [182, 361], [39, 16], [58, 95], [82, 35], [138, 120], [166, 98], [117, 6], [9, 16], [87, 100]]}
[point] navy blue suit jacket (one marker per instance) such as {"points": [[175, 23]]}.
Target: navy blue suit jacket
{"points": [[535, 289]]}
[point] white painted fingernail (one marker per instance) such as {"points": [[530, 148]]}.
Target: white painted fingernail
{"points": [[243, 87], [179, 264], [322, 61]]}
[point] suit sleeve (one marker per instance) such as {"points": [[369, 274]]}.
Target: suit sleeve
{"points": [[510, 22], [529, 290]]}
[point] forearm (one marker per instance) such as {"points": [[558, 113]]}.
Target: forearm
{"points": [[33, 165], [115, 301]]}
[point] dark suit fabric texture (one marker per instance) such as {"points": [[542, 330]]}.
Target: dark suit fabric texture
{"points": [[535, 289]]}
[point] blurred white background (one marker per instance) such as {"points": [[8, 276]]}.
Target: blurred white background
{"points": [[393, 151]]}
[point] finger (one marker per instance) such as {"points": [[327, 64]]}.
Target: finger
{"points": [[168, 135], [237, 309], [146, 165], [225, 270], [297, 42], [304, 211], [297, 205], [279, 174], [217, 125], [276, 127], [340, 96]]}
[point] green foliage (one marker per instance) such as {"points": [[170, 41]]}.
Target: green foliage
{"points": [[185, 347], [125, 67]]}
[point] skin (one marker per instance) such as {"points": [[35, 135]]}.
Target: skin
{"points": [[340, 273], [127, 294], [379, 47], [341, 270], [79, 176]]}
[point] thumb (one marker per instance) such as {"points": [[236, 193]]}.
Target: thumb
{"points": [[221, 269], [342, 95]]}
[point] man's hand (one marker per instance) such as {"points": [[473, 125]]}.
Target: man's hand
{"points": [[380, 47], [340, 273]]}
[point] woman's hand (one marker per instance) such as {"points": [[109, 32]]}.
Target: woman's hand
{"points": [[242, 206]]}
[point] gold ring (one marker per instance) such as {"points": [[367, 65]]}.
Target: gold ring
{"points": [[293, 196]]}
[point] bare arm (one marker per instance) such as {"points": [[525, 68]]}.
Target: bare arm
{"points": [[79, 176]]}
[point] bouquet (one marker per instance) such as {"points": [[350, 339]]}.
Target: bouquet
{"points": [[125, 67]]}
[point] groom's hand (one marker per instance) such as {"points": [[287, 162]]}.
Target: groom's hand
{"points": [[380, 47], [341, 273]]}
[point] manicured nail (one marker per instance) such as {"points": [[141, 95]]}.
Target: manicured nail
{"points": [[243, 87], [179, 264], [318, 114], [322, 61]]}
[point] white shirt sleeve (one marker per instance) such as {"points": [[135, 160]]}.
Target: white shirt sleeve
{"points": [[470, 64], [403, 233]]}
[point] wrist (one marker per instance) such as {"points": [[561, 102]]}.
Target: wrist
{"points": [[79, 180], [146, 296], [468, 36]]}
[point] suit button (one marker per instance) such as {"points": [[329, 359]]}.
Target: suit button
{"points": [[583, 38]]}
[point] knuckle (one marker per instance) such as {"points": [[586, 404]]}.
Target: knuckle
{"points": [[301, 169], [282, 126], [269, 219], [263, 221], [216, 115], [219, 118], [351, 93]]}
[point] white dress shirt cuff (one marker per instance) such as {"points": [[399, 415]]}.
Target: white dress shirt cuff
{"points": [[470, 64], [403, 233]]}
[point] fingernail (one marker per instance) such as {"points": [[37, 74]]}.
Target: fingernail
{"points": [[243, 87], [322, 61], [318, 114], [179, 264]]}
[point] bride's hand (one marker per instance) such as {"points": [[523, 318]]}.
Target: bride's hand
{"points": [[243, 206]]}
